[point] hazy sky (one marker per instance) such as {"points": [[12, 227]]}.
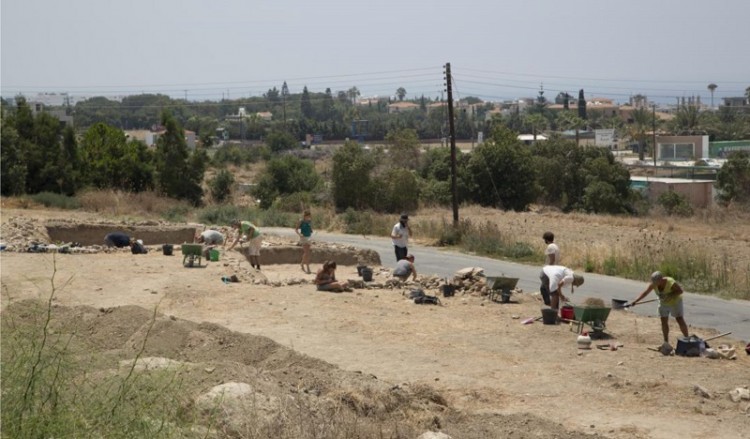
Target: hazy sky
{"points": [[498, 49]]}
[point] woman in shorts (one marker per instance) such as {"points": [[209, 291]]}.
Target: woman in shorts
{"points": [[304, 231]]}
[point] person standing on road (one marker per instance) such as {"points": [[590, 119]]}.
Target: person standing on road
{"points": [[304, 231], [670, 302], [560, 277], [248, 231], [400, 236], [551, 257]]}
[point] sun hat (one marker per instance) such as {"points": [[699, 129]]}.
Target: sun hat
{"points": [[404, 217], [656, 276], [577, 280]]}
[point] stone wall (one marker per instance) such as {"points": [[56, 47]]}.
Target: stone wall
{"points": [[292, 254]]}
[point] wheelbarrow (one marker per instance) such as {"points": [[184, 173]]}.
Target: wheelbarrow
{"points": [[502, 286], [595, 317], [191, 252]]}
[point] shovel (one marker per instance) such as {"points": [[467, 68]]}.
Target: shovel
{"points": [[623, 304]]}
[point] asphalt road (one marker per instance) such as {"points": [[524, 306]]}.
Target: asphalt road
{"points": [[700, 310]]}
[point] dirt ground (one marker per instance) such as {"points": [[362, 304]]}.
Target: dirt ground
{"points": [[514, 380]]}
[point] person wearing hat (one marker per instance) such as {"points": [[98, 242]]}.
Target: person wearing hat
{"points": [[560, 277], [670, 302], [551, 257], [400, 237], [245, 230], [405, 268]]}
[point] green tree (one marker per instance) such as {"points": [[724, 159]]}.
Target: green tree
{"points": [[280, 141], [733, 180], [306, 106], [352, 168], [572, 177], [396, 190], [70, 163], [108, 160], [13, 172], [642, 121], [536, 123], [435, 171], [403, 148], [177, 175], [502, 172], [353, 94], [285, 175], [401, 93], [221, 185], [687, 121]]}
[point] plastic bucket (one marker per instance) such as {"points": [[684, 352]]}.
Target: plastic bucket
{"points": [[213, 255], [549, 316], [367, 274], [567, 313], [448, 290], [167, 249]]}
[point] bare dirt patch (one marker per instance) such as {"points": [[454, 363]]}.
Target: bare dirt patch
{"points": [[490, 375]]}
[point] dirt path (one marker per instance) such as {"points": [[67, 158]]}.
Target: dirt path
{"points": [[477, 352]]}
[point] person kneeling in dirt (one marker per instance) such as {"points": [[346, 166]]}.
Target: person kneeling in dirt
{"points": [[560, 277], [210, 238], [326, 279], [405, 268], [670, 302], [117, 239], [137, 247]]}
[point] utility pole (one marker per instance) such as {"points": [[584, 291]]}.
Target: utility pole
{"points": [[653, 129], [452, 134]]}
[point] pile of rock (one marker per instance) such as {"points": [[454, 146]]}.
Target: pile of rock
{"points": [[19, 233]]}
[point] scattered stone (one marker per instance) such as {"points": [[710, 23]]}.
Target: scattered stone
{"points": [[209, 369], [433, 435], [701, 391], [739, 394]]}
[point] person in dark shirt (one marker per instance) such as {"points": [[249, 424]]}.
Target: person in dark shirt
{"points": [[117, 239]]}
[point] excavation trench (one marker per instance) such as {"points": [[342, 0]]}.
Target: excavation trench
{"points": [[93, 234]]}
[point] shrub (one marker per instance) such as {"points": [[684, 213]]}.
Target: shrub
{"points": [[285, 175], [223, 214], [221, 185], [675, 204], [51, 199], [280, 141]]}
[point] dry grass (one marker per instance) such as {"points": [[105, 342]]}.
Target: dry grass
{"points": [[119, 203]]}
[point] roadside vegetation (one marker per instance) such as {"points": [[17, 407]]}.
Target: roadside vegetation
{"points": [[268, 176]]}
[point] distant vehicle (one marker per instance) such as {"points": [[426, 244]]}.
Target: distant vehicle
{"points": [[711, 163]]}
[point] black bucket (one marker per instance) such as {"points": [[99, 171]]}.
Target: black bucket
{"points": [[689, 346], [549, 316], [448, 290], [367, 274], [167, 249]]}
